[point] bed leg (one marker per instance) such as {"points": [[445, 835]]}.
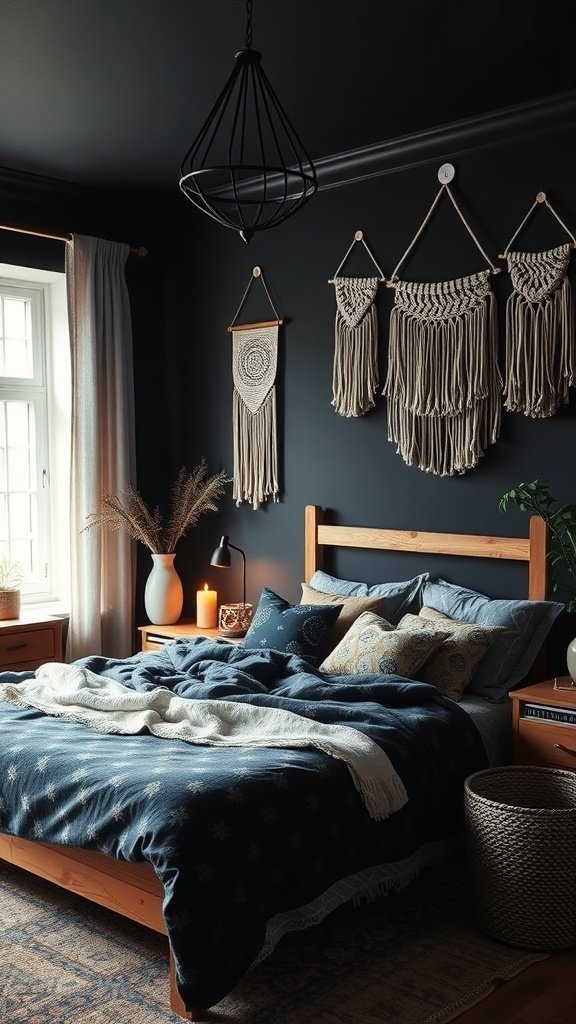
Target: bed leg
{"points": [[176, 1002]]}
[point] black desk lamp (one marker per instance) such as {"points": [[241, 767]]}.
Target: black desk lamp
{"points": [[234, 619]]}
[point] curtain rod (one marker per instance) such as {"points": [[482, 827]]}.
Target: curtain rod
{"points": [[136, 250]]}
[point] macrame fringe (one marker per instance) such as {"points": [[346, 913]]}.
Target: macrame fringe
{"points": [[255, 451], [355, 371], [443, 382], [540, 336]]}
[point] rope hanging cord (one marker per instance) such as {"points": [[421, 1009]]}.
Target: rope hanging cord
{"points": [[540, 363]]}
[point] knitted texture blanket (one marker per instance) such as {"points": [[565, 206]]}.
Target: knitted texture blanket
{"points": [[103, 704]]}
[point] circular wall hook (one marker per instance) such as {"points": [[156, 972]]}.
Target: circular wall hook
{"points": [[256, 272], [359, 235], [541, 197], [446, 174]]}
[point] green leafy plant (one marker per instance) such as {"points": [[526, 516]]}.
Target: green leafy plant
{"points": [[11, 573], [535, 498], [193, 493]]}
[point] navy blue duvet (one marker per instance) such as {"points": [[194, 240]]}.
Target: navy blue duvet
{"points": [[236, 835]]}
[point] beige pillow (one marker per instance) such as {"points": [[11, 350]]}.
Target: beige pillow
{"points": [[373, 646], [453, 665], [352, 607]]}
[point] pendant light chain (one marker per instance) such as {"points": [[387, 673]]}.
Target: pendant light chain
{"points": [[249, 24]]}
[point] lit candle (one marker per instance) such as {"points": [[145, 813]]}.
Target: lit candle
{"points": [[206, 616]]}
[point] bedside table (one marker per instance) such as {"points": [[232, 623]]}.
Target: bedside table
{"points": [[542, 733], [154, 637], [29, 641]]}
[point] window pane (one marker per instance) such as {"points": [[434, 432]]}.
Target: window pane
{"points": [[16, 349], [18, 497]]}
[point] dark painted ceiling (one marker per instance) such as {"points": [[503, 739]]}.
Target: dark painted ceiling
{"points": [[111, 92]]}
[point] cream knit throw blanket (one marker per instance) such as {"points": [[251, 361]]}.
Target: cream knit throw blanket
{"points": [[68, 691]]}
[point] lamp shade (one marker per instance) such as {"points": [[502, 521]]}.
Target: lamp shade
{"points": [[221, 556], [247, 168]]}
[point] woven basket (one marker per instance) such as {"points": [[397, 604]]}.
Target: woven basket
{"points": [[9, 604], [521, 837]]}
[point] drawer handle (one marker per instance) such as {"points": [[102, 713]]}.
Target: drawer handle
{"points": [[16, 647], [565, 750]]}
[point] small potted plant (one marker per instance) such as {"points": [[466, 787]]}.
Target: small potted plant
{"points": [[11, 576], [535, 498]]}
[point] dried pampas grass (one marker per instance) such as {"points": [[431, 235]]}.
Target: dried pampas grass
{"points": [[193, 494]]}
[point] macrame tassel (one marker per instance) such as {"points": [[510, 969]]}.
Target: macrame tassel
{"points": [[255, 454], [540, 335], [254, 361], [355, 371], [443, 383]]}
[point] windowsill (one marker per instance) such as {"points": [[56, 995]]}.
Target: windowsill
{"points": [[46, 608]]}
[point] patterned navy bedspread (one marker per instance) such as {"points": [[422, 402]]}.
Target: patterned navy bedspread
{"points": [[236, 835]]}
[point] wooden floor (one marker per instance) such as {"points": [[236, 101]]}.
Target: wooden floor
{"points": [[545, 993]]}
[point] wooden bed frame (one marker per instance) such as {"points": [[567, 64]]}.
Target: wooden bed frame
{"points": [[134, 890]]}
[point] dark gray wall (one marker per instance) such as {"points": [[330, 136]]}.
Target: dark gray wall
{"points": [[348, 465]]}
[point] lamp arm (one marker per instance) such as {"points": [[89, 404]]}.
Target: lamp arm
{"points": [[243, 571]]}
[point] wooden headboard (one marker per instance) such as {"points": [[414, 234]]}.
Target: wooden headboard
{"points": [[532, 549]]}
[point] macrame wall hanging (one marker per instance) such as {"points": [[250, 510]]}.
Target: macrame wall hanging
{"points": [[540, 335], [443, 382], [355, 370], [254, 363]]}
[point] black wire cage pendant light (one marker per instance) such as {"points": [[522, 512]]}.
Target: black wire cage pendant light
{"points": [[247, 168]]}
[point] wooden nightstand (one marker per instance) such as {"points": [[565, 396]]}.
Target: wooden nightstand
{"points": [[542, 733], [154, 637], [29, 641]]}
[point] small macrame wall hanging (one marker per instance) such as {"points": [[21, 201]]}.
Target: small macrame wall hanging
{"points": [[254, 364], [355, 369], [540, 335], [443, 383]]}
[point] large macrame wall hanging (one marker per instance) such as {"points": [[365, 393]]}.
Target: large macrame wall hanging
{"points": [[443, 383], [355, 369], [540, 335], [254, 363]]}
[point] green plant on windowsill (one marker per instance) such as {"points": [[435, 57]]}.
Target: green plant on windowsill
{"points": [[535, 498]]}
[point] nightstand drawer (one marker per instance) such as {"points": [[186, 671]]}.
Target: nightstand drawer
{"points": [[23, 646], [542, 744]]}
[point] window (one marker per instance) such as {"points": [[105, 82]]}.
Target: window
{"points": [[34, 430]]}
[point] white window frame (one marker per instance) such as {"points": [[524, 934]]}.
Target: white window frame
{"points": [[51, 388]]}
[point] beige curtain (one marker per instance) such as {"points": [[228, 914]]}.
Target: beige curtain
{"points": [[103, 446]]}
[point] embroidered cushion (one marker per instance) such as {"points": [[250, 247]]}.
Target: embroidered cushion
{"points": [[352, 607], [452, 666], [525, 625], [295, 629], [372, 646], [401, 597]]}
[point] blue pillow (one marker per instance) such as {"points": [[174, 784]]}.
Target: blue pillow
{"points": [[401, 598], [301, 629], [526, 625]]}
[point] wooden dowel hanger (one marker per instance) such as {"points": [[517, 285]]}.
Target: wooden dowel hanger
{"points": [[260, 323], [136, 250]]}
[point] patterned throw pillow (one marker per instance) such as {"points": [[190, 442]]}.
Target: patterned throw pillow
{"points": [[372, 646], [525, 625], [352, 607], [295, 629], [453, 665], [401, 597]]}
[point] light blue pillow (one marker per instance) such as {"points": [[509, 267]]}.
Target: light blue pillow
{"points": [[401, 598], [526, 625]]}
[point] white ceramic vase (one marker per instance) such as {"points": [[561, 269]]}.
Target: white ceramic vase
{"points": [[571, 659], [163, 595]]}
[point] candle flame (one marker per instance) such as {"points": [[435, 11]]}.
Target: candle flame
{"points": [[205, 586]]}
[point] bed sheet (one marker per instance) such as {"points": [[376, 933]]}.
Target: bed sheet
{"points": [[237, 836]]}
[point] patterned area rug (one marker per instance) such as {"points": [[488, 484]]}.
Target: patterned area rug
{"points": [[410, 958]]}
